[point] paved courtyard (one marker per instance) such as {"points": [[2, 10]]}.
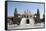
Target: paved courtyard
{"points": [[27, 26]]}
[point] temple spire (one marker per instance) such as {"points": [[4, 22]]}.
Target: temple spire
{"points": [[38, 14], [15, 12]]}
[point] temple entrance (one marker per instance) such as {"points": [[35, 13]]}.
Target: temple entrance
{"points": [[27, 21]]}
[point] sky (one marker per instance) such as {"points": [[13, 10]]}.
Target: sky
{"points": [[21, 7]]}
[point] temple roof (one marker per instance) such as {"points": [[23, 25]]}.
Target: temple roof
{"points": [[27, 12]]}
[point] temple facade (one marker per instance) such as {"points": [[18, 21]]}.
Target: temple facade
{"points": [[27, 14]]}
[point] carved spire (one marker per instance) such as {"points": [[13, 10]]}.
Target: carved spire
{"points": [[15, 12]]}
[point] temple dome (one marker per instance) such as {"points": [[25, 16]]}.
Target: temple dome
{"points": [[27, 13]]}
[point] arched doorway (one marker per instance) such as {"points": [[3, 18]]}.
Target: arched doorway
{"points": [[27, 20]]}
